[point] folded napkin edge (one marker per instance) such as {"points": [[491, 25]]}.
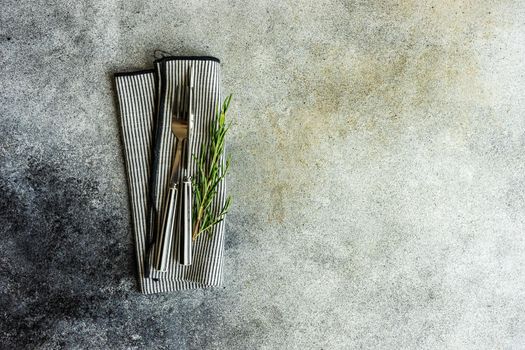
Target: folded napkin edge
{"points": [[136, 72], [166, 59], [187, 58]]}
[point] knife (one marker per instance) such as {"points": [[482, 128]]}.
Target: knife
{"points": [[186, 224]]}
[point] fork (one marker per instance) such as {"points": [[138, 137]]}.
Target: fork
{"points": [[164, 246]]}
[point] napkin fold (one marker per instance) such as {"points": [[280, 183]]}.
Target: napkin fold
{"points": [[145, 100]]}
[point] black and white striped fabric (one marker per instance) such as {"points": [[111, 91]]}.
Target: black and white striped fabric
{"points": [[146, 101]]}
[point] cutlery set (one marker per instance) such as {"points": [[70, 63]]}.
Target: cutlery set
{"points": [[177, 219]]}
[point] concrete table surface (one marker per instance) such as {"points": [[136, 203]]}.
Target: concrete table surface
{"points": [[378, 176]]}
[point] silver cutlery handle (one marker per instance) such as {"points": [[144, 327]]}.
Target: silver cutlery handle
{"points": [[185, 253], [164, 244]]}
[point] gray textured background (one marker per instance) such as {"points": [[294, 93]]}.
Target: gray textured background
{"points": [[378, 175]]}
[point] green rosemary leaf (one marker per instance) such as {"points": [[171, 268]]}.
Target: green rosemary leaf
{"points": [[211, 170]]}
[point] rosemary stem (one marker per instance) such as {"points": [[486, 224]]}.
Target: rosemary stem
{"points": [[210, 172]]}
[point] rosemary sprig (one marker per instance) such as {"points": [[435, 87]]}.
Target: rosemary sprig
{"points": [[211, 169]]}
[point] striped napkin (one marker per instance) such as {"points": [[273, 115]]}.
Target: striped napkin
{"points": [[146, 100]]}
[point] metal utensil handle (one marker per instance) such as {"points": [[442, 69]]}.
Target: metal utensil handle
{"points": [[165, 241], [164, 245], [186, 224]]}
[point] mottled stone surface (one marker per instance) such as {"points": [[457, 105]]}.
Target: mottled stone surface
{"points": [[379, 175]]}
